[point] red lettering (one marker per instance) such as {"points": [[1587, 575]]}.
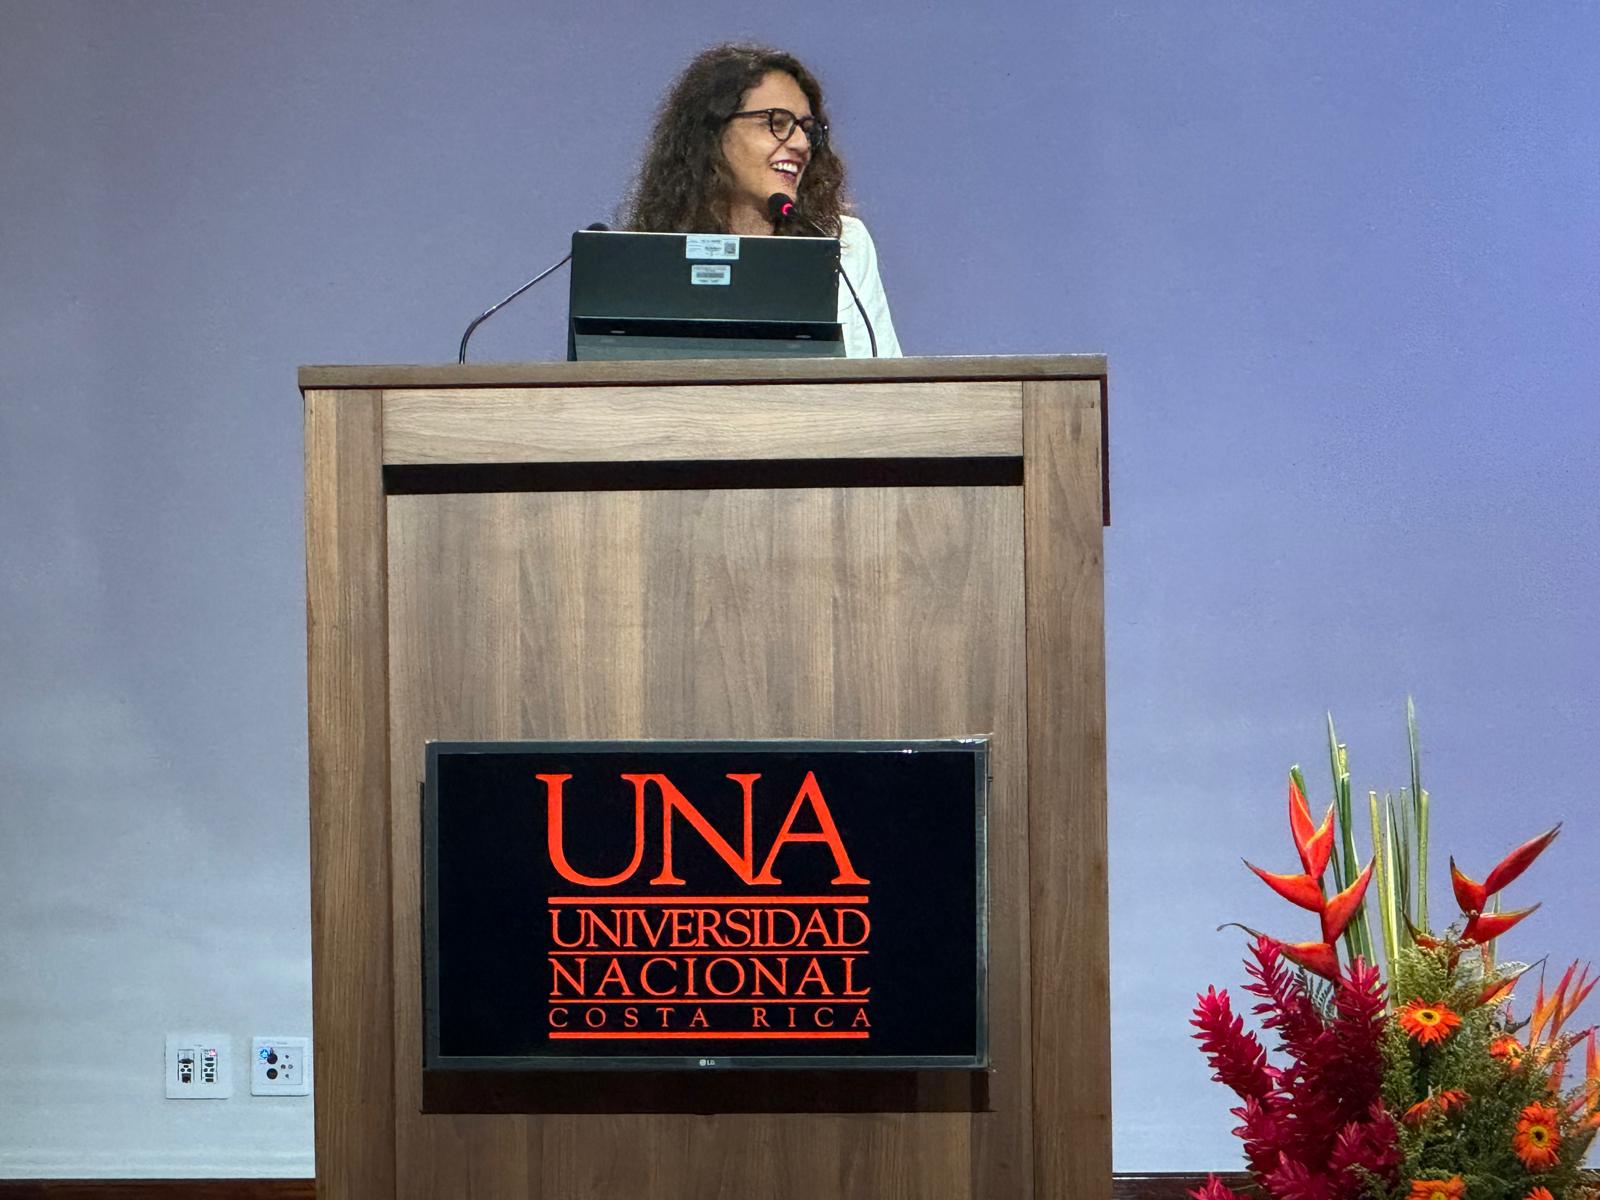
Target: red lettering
{"points": [[850, 977], [736, 983], [554, 806], [674, 801], [644, 977], [613, 975], [555, 930], [827, 832], [558, 972], [741, 861], [813, 974]]}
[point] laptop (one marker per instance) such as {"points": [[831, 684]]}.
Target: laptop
{"points": [[677, 295]]}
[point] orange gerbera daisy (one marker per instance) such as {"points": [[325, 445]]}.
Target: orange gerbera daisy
{"points": [[1537, 1137], [1427, 1023], [1539, 1193], [1438, 1189], [1444, 1103], [1508, 1048], [1451, 1100]]}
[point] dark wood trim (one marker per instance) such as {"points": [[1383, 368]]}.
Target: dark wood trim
{"points": [[1150, 1185], [1168, 1185], [158, 1189], [431, 479]]}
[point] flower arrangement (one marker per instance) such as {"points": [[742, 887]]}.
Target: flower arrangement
{"points": [[1414, 1083]]}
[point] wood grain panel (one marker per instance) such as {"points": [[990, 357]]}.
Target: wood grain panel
{"points": [[933, 570], [1067, 792], [346, 619], [817, 612], [643, 424], [687, 371]]}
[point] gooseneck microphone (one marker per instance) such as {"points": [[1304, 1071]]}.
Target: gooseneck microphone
{"points": [[781, 208], [461, 356]]}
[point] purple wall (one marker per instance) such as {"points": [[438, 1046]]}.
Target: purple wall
{"points": [[1344, 261]]}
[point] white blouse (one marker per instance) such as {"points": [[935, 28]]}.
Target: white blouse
{"points": [[859, 259]]}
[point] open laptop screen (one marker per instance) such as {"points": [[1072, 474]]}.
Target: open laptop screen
{"points": [[676, 295]]}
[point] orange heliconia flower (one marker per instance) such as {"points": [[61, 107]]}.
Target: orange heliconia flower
{"points": [[1539, 1193], [1438, 1189], [1537, 1137], [1427, 1023]]}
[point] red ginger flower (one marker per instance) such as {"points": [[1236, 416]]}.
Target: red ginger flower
{"points": [[1539, 1193], [1427, 1023], [1237, 1057], [1438, 1189], [1215, 1189], [1364, 1149], [1537, 1138]]}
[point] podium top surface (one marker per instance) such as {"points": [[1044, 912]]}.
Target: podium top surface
{"points": [[718, 371]]}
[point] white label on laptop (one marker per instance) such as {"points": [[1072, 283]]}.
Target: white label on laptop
{"points": [[702, 274], [710, 245]]}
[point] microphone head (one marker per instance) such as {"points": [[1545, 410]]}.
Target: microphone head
{"points": [[780, 207]]}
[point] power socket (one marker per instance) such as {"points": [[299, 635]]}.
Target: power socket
{"points": [[199, 1066], [280, 1066]]}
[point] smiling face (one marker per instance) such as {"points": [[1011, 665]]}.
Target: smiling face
{"points": [[758, 163]]}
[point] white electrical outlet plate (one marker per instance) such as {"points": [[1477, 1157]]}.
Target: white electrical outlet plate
{"points": [[280, 1066], [199, 1066]]}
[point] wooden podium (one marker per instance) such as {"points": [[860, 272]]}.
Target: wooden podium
{"points": [[904, 548]]}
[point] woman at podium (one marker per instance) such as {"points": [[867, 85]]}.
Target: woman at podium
{"points": [[742, 126]]}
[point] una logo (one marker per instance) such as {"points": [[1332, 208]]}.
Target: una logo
{"points": [[675, 805]]}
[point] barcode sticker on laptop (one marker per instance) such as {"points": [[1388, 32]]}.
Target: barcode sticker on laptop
{"points": [[710, 245], [705, 273]]}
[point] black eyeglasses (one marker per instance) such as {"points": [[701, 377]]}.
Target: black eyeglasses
{"points": [[782, 122]]}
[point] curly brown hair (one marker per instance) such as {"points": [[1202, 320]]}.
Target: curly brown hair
{"points": [[684, 185]]}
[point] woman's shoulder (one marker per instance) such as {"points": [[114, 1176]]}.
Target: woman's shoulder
{"points": [[853, 228], [854, 240]]}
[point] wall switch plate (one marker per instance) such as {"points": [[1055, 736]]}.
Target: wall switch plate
{"points": [[199, 1066], [280, 1066]]}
